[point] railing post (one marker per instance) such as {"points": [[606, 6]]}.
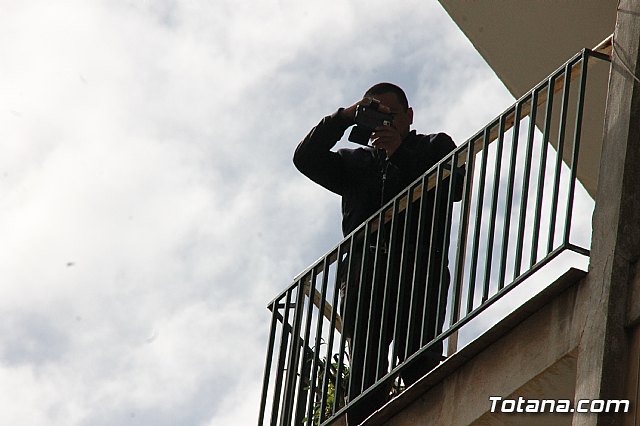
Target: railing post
{"points": [[267, 366], [576, 148], [559, 154], [615, 250]]}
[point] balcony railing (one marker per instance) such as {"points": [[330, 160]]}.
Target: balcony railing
{"points": [[513, 218]]}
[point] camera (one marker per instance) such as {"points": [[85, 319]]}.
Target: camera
{"points": [[367, 118]]}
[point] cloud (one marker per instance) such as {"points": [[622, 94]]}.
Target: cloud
{"points": [[150, 209]]}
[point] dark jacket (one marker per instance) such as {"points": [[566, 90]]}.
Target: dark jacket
{"points": [[363, 177]]}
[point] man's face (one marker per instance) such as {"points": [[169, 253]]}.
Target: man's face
{"points": [[402, 118]]}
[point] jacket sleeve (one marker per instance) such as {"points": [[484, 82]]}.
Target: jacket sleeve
{"points": [[313, 156]]}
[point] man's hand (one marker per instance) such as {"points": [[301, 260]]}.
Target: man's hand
{"points": [[349, 113], [386, 138]]}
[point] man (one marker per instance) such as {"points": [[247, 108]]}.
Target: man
{"points": [[367, 178]]}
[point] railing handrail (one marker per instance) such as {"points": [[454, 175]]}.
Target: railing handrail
{"points": [[509, 113]]}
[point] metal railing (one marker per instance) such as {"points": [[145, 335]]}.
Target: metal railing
{"points": [[425, 254]]}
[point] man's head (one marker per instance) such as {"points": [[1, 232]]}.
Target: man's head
{"points": [[394, 97]]}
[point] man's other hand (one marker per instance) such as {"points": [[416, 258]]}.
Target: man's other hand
{"points": [[386, 138], [349, 113]]}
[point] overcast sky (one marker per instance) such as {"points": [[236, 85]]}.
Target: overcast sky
{"points": [[149, 209]]}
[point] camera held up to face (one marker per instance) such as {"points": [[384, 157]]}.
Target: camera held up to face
{"points": [[367, 118]]}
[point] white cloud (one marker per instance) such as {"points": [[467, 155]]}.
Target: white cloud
{"points": [[150, 209]]}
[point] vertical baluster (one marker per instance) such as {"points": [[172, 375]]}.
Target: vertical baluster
{"points": [[404, 273], [454, 176], [282, 355], [431, 266], [332, 330], [558, 169], [294, 351], [318, 338], [542, 171], [267, 364], [350, 262], [463, 231], [356, 339], [524, 194], [509, 200], [494, 207], [478, 221]]}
